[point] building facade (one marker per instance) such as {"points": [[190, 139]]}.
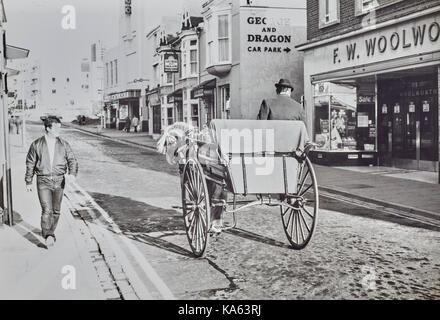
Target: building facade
{"points": [[217, 47], [200, 63], [160, 52], [249, 46], [125, 71], [371, 80]]}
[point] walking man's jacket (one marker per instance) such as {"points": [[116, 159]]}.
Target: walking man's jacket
{"points": [[38, 160]]}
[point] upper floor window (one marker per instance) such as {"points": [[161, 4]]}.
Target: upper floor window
{"points": [[328, 12], [209, 41], [218, 38], [116, 71], [223, 37], [189, 58], [111, 73], [106, 75], [365, 6]]}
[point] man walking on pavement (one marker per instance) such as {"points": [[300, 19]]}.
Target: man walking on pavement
{"points": [[49, 158]]}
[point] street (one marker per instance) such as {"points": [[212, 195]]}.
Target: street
{"points": [[349, 257]]}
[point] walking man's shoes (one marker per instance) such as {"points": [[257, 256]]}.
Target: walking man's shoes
{"points": [[50, 241]]}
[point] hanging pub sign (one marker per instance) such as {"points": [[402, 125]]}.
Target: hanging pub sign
{"points": [[171, 63]]}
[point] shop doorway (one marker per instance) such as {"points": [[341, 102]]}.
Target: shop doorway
{"points": [[157, 127], [408, 121]]}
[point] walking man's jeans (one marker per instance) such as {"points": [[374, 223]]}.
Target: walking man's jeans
{"points": [[50, 192]]}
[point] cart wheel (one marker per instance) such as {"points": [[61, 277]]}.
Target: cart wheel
{"points": [[196, 207], [299, 223]]}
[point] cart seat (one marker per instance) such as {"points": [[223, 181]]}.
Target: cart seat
{"points": [[257, 136], [258, 152]]}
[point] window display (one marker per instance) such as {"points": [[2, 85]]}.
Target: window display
{"points": [[344, 117]]}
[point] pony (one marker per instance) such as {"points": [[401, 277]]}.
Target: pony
{"points": [[173, 141]]}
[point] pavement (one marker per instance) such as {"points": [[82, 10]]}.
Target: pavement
{"points": [[29, 270], [413, 192]]}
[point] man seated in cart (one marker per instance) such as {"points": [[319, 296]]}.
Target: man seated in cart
{"points": [[283, 107]]}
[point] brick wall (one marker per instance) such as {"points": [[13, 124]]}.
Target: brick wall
{"points": [[350, 22]]}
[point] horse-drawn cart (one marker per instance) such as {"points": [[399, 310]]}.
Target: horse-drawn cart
{"points": [[264, 160]]}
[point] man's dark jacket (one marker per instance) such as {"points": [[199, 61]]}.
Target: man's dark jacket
{"points": [[281, 108], [38, 160]]}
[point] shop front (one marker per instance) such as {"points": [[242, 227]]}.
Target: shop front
{"points": [[408, 119], [205, 92], [155, 106], [372, 95], [176, 98], [126, 106], [110, 110]]}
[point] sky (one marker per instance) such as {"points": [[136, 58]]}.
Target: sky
{"points": [[37, 25]]}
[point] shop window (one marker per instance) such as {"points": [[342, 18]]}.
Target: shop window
{"points": [[195, 114], [328, 13], [345, 117]]}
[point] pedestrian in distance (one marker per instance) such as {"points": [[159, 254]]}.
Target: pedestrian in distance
{"points": [[12, 124], [127, 124], [135, 123], [18, 124], [52, 160], [283, 107]]}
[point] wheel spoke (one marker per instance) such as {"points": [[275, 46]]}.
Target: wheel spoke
{"points": [[308, 213], [202, 215], [288, 221], [188, 212], [193, 227], [284, 213], [305, 222], [307, 189], [291, 225], [190, 193], [294, 227], [300, 226], [303, 181], [197, 235], [196, 180], [191, 184]]}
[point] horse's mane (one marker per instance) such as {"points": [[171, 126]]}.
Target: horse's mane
{"points": [[176, 130]]}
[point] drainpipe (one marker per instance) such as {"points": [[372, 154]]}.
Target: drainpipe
{"points": [[199, 112]]}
